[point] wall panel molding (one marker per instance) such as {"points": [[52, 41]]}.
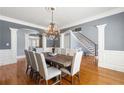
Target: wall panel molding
{"points": [[113, 60]]}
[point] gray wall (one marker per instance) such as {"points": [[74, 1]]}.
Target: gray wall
{"points": [[5, 35], [74, 43], [20, 42], [114, 32]]}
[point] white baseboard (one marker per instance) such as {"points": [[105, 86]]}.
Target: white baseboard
{"points": [[3, 64], [22, 56], [113, 60]]}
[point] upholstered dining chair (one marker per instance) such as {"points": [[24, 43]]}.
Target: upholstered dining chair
{"points": [[35, 69], [28, 60], [39, 50], [63, 51], [33, 60], [58, 50], [72, 52], [45, 72], [75, 67]]}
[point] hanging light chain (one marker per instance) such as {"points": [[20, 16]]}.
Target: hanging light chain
{"points": [[52, 15]]}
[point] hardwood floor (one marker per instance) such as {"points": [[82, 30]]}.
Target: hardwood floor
{"points": [[90, 74]]}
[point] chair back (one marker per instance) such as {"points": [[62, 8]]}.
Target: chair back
{"points": [[63, 51], [33, 60], [39, 50], [58, 50], [76, 63], [48, 49], [42, 65], [71, 52], [27, 58]]}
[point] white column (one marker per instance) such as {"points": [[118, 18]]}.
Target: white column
{"points": [[62, 40], [44, 41], [101, 41], [14, 41], [26, 41]]}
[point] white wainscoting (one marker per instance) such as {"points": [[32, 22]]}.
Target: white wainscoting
{"points": [[113, 60], [8, 56]]}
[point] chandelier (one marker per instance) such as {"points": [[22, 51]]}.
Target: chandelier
{"points": [[52, 31]]}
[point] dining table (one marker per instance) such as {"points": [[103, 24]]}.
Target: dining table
{"points": [[59, 59]]}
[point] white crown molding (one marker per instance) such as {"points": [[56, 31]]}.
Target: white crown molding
{"points": [[9, 19], [99, 16]]}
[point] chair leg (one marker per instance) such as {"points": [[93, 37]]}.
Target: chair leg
{"points": [[79, 76], [46, 81], [40, 78], [71, 79], [27, 69], [31, 73], [60, 79], [37, 78], [39, 81]]}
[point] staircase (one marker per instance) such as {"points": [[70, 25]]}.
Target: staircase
{"points": [[86, 42]]}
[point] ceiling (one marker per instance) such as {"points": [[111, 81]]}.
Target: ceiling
{"points": [[63, 16]]}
